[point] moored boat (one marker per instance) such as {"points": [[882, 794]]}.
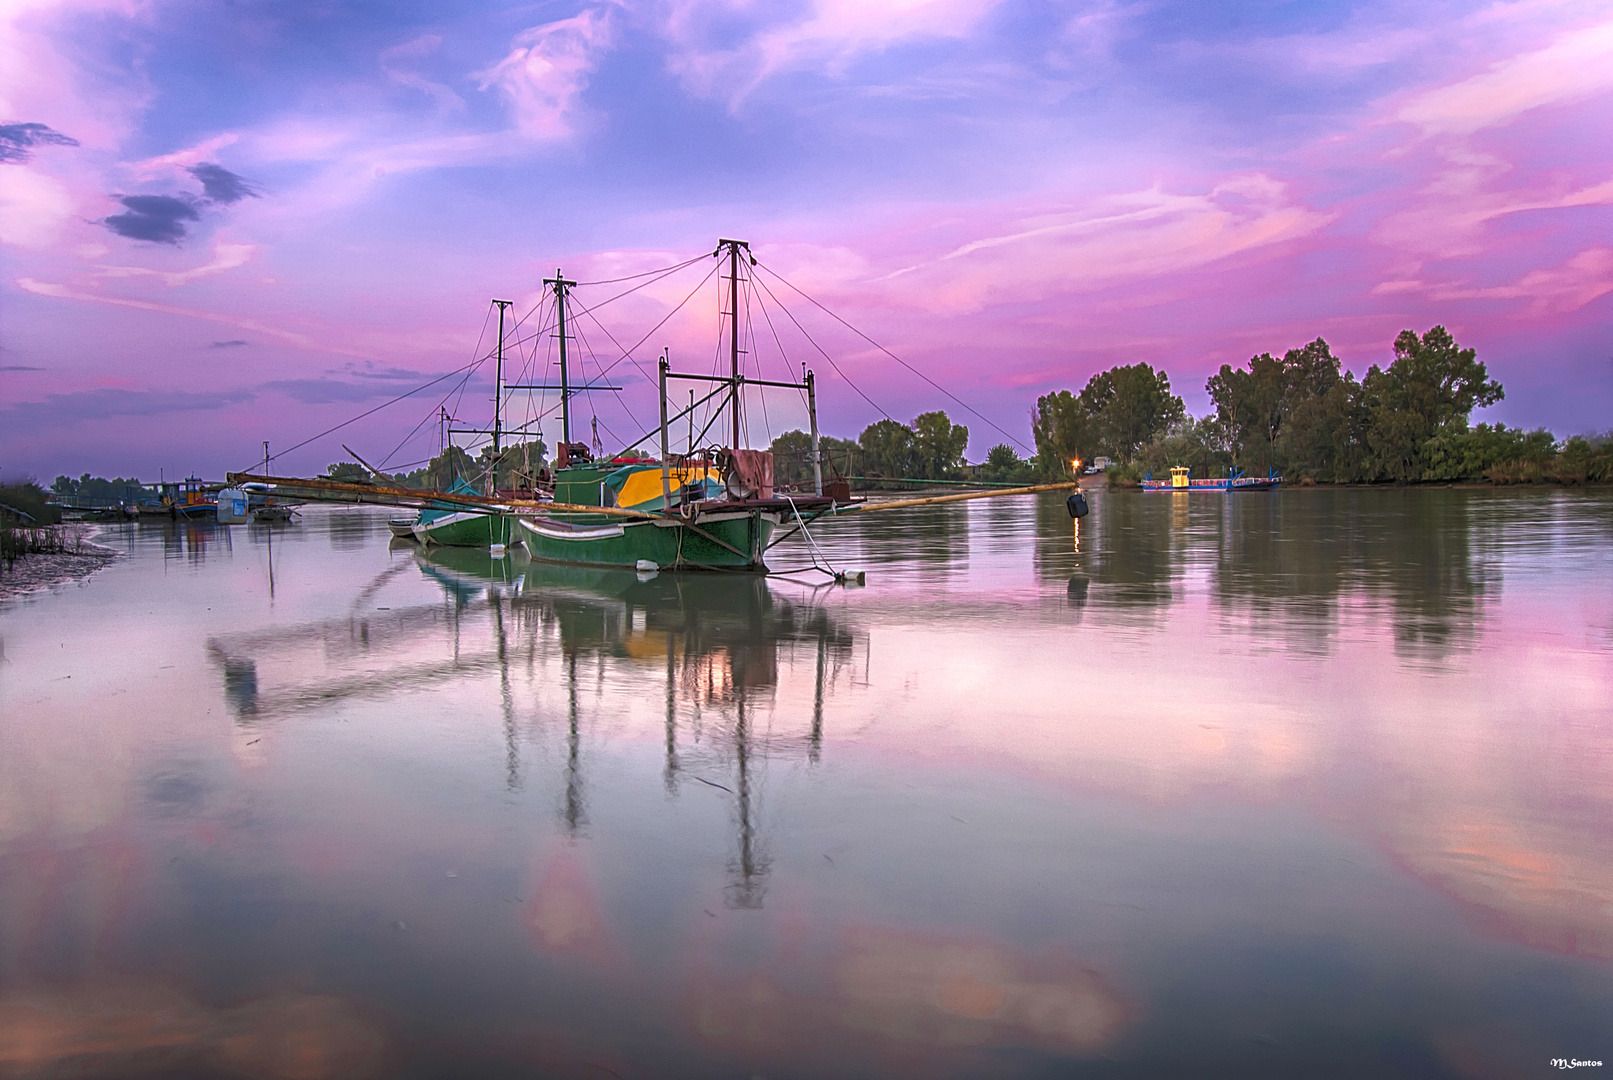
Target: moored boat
{"points": [[1180, 480], [453, 525], [707, 509], [713, 506]]}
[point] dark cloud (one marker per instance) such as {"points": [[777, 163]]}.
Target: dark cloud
{"points": [[233, 343], [157, 218], [59, 410], [20, 367], [326, 391], [220, 185], [17, 141], [370, 370], [161, 219]]}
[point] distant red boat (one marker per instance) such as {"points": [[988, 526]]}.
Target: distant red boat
{"points": [[1181, 481]]}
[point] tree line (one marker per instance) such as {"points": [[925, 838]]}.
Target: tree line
{"points": [[887, 451], [1304, 417]]}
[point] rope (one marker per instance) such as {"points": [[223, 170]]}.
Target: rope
{"points": [[647, 273], [378, 408], [899, 360], [811, 543], [820, 349]]}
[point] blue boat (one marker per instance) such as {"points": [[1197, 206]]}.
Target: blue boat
{"points": [[1237, 481]]}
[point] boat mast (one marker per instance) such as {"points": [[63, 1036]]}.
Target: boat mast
{"points": [[733, 247], [812, 417], [498, 381], [562, 289], [561, 285]]}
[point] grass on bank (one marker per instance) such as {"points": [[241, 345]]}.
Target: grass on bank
{"points": [[30, 526]]}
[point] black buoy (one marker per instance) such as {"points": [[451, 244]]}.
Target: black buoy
{"points": [[1076, 504]]}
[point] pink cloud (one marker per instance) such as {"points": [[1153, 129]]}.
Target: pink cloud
{"points": [[226, 256], [424, 45], [828, 35], [33, 207], [1578, 65], [547, 70], [1585, 277]]}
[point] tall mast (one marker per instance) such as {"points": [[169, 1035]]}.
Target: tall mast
{"points": [[560, 286], [733, 247], [498, 380], [733, 328]]}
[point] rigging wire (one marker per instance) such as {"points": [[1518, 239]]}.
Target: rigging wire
{"points": [[899, 360], [619, 399], [826, 356], [756, 359], [428, 416], [393, 401], [590, 313], [628, 292], [783, 356], [647, 273], [627, 354], [467, 368]]}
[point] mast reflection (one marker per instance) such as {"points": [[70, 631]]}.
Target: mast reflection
{"points": [[718, 646]]}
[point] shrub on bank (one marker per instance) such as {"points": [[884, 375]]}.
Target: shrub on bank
{"points": [[1130, 475], [26, 498]]}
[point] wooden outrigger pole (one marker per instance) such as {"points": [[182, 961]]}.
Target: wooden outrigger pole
{"points": [[932, 500]]}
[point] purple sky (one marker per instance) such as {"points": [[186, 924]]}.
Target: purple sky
{"points": [[224, 224]]}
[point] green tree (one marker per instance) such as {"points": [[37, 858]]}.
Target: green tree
{"points": [[1323, 438], [348, 472], [1432, 386], [1472, 453], [792, 459], [887, 449], [1256, 406], [1003, 465], [1200, 445], [938, 446], [1133, 404], [1065, 431], [517, 464]]}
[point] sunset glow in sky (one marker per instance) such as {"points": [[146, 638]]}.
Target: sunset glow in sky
{"points": [[223, 224]]}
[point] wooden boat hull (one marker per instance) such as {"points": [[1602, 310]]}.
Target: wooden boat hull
{"points": [[465, 530], [720, 540]]}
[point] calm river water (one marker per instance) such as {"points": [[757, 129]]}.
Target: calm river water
{"points": [[1311, 784]]}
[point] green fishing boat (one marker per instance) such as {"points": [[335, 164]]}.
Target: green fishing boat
{"points": [[709, 508], [456, 526]]}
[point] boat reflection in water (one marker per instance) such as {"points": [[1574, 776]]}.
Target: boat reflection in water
{"points": [[707, 650], [1308, 785]]}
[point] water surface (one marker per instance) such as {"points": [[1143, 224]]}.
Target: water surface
{"points": [[1317, 783]]}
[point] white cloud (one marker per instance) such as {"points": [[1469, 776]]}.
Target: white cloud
{"points": [[206, 150], [830, 34], [1134, 236], [419, 47], [548, 69], [1579, 64], [1552, 290], [33, 207], [225, 257]]}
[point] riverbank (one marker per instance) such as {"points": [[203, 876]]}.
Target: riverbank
{"points": [[42, 570]]}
